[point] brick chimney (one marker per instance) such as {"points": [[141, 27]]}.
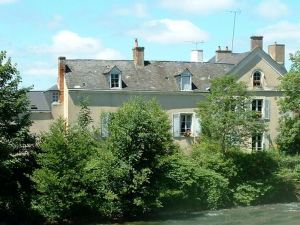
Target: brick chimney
{"points": [[221, 54], [138, 54], [277, 52], [256, 42], [61, 74]]}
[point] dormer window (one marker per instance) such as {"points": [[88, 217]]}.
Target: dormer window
{"points": [[257, 79], [115, 80], [55, 96], [185, 80]]}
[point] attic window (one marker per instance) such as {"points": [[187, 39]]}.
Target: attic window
{"points": [[55, 97], [257, 79], [185, 82], [115, 80]]}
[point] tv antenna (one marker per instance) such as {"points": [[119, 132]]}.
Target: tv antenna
{"points": [[196, 43], [234, 12]]}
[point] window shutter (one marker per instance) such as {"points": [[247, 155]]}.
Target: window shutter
{"points": [[196, 126], [176, 125], [105, 117], [266, 109], [266, 141]]}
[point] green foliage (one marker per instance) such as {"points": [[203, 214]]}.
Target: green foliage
{"points": [[139, 138], [63, 157], [289, 132], [226, 115], [192, 187], [16, 144]]}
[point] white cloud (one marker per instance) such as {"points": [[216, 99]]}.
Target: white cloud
{"points": [[7, 1], [282, 31], [170, 31], [137, 10], [272, 9], [198, 6], [40, 69], [72, 45]]}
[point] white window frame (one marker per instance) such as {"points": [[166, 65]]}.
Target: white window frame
{"points": [[195, 126], [265, 108], [256, 108], [186, 128], [119, 80], [257, 142], [260, 81], [182, 86]]}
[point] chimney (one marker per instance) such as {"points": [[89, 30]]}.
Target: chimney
{"points": [[221, 54], [277, 52], [256, 42], [138, 54], [61, 74], [197, 56]]}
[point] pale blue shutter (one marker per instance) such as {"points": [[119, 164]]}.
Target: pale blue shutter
{"points": [[266, 141], [176, 125], [196, 126], [104, 124], [266, 109]]}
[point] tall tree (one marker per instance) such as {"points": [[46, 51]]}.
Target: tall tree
{"points": [[16, 143], [140, 138], [289, 132], [226, 115]]}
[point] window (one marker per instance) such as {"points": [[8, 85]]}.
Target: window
{"points": [[262, 107], [115, 81], [257, 105], [55, 97], [185, 125], [186, 84], [257, 79], [257, 142], [105, 120]]}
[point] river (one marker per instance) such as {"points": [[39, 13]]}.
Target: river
{"points": [[283, 214]]}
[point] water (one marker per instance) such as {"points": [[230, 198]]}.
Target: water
{"points": [[283, 214]]}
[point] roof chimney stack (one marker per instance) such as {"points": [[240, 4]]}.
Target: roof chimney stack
{"points": [[277, 52], [256, 42], [221, 54], [138, 54], [61, 77], [197, 55]]}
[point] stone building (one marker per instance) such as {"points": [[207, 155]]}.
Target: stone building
{"points": [[177, 85]]}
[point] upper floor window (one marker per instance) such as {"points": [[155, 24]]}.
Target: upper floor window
{"points": [[55, 96], [262, 108], [186, 125], [257, 105], [257, 79], [186, 84], [115, 80]]}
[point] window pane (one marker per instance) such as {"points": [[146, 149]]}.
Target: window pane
{"points": [[185, 82], [114, 80]]}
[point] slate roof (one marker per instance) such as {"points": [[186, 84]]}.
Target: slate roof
{"points": [[154, 76], [231, 58], [38, 101]]}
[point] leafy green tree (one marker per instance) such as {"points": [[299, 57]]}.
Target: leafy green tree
{"points": [[16, 143], [226, 115], [289, 132], [139, 138], [59, 179]]}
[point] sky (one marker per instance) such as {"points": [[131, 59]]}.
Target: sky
{"points": [[36, 32]]}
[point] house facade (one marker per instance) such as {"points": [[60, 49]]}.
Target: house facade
{"points": [[178, 86]]}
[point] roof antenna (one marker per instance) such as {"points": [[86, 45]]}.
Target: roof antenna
{"points": [[235, 12], [196, 43]]}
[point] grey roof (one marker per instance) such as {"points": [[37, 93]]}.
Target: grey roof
{"points": [[230, 58], [154, 76], [53, 88], [38, 101]]}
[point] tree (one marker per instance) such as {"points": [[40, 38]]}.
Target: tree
{"points": [[226, 115], [289, 132], [16, 143], [61, 189], [139, 139]]}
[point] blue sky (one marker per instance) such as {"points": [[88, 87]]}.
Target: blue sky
{"points": [[35, 33]]}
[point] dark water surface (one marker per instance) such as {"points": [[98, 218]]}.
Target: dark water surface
{"points": [[283, 214]]}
